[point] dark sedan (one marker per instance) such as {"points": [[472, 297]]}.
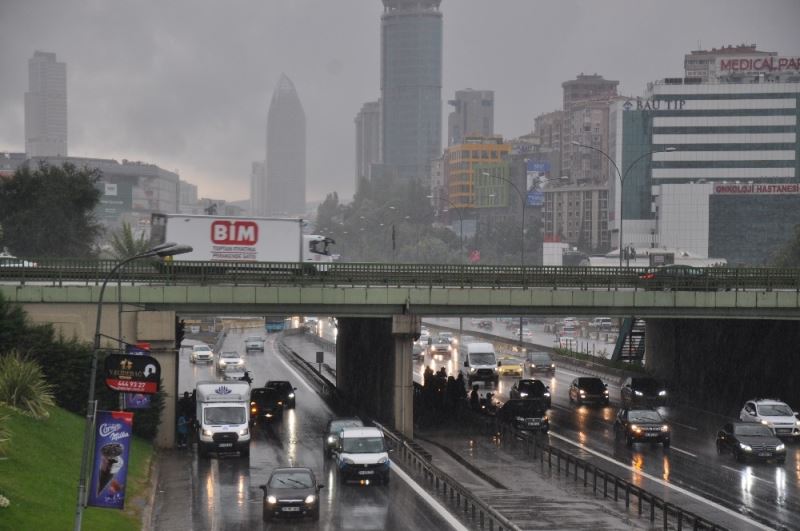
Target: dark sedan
{"points": [[286, 391], [265, 404], [292, 492], [525, 414], [588, 389], [642, 425], [530, 389], [643, 390], [748, 440], [536, 362]]}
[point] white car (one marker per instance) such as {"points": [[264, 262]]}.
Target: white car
{"points": [[253, 343], [9, 260], [774, 414], [227, 361], [201, 352]]}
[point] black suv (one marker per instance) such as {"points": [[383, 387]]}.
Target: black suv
{"points": [[643, 390], [265, 404], [525, 415], [285, 390], [530, 389], [642, 425], [748, 440]]}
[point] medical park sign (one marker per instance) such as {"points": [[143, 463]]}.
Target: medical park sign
{"points": [[757, 65]]}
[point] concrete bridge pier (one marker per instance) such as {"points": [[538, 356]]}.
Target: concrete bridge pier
{"points": [[373, 367]]}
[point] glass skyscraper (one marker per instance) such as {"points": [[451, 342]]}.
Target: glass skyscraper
{"points": [[286, 153], [411, 86]]}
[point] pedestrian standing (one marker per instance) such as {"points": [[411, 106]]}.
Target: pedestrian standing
{"points": [[183, 430]]}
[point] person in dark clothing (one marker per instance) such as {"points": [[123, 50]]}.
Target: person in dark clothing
{"points": [[185, 405], [442, 373], [183, 430], [475, 399]]}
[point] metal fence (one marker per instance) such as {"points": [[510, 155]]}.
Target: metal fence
{"points": [[402, 275]]}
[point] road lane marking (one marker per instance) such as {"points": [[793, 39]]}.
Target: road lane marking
{"points": [[433, 502], [660, 481], [750, 475], [683, 451], [302, 380], [683, 425]]}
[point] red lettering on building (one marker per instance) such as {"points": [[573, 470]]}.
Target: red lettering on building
{"points": [[234, 232]]}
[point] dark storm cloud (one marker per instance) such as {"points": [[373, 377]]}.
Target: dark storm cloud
{"points": [[186, 84]]}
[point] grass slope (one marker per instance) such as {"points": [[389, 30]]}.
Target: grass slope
{"points": [[40, 476]]}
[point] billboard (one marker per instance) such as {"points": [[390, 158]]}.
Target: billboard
{"points": [[115, 200], [536, 171], [535, 198], [111, 450]]}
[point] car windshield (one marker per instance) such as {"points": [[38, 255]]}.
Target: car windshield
{"points": [[202, 347], [644, 416], [482, 358], [752, 430], [647, 385], [230, 355], [253, 338], [540, 359], [534, 387], [362, 445], [337, 425], [591, 385], [280, 386], [775, 410], [263, 394], [224, 415], [291, 480]]}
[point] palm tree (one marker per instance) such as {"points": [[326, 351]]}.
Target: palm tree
{"points": [[124, 244]]}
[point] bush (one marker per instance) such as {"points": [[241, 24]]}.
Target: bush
{"points": [[5, 435], [23, 386]]}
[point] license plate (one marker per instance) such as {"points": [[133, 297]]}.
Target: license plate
{"points": [[533, 423], [365, 472], [764, 454], [225, 445], [651, 435], [291, 509]]}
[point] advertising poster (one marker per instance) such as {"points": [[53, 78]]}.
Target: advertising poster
{"points": [[113, 433], [137, 400]]}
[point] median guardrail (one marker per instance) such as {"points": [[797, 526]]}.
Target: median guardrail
{"points": [[59, 271]]}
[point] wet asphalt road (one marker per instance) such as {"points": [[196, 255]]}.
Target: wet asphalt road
{"points": [[767, 492], [224, 490]]}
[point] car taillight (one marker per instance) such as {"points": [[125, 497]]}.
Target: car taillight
{"points": [[648, 276]]}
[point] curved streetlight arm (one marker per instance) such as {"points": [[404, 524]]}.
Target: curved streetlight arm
{"points": [[522, 201]]}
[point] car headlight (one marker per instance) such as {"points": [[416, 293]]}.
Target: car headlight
{"points": [[523, 395], [745, 447], [636, 428], [383, 460], [272, 500], [291, 395], [545, 418], [254, 409], [472, 370], [311, 498], [662, 393], [331, 439], [243, 431], [638, 393], [797, 422], [665, 428], [547, 395], [605, 392], [781, 447], [765, 423], [552, 365], [583, 393], [208, 433], [347, 461], [533, 365]]}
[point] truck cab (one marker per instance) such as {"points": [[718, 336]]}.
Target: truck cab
{"points": [[479, 363], [223, 417]]}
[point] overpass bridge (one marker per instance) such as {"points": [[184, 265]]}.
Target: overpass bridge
{"points": [[379, 308]]}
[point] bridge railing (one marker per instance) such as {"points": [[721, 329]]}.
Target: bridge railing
{"points": [[59, 271]]}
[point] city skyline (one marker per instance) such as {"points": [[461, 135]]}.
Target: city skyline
{"points": [[175, 97]]}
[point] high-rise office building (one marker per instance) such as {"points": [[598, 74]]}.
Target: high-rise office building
{"points": [[473, 115], [368, 139], [286, 152], [46, 107], [411, 87]]}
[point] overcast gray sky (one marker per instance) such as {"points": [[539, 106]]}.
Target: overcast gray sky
{"points": [[186, 84]]}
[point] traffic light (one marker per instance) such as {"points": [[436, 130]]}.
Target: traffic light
{"points": [[180, 332]]}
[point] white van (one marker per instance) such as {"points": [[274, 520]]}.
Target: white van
{"points": [[361, 454], [223, 417], [479, 363]]}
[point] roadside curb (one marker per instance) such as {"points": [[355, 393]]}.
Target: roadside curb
{"points": [[149, 513]]}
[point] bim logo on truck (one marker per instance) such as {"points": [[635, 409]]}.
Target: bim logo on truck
{"points": [[230, 232]]}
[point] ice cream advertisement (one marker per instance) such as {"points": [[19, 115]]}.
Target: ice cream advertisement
{"points": [[111, 450]]}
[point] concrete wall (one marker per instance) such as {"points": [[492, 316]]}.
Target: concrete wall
{"points": [[725, 362]]}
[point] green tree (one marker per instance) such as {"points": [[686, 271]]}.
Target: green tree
{"points": [[125, 244], [789, 255], [49, 211]]}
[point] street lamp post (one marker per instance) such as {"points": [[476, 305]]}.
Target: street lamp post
{"points": [[165, 249], [622, 176]]}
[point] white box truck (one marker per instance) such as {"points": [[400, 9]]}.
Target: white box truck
{"points": [[223, 417], [240, 239]]}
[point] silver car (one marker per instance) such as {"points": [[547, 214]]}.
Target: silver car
{"points": [[201, 352], [229, 361]]}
